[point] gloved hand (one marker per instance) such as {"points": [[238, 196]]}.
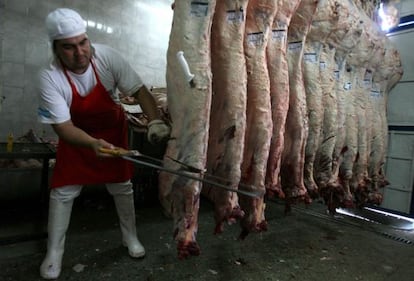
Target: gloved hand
{"points": [[157, 131]]}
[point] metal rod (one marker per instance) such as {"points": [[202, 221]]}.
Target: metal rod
{"points": [[187, 175], [191, 169]]}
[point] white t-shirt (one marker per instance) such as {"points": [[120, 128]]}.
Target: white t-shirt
{"points": [[56, 94]]}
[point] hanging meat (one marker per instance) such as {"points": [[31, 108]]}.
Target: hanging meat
{"points": [[323, 163], [344, 37], [336, 194], [296, 133], [350, 138], [322, 24], [277, 64], [259, 20], [360, 179], [278, 96], [385, 76], [228, 110], [356, 137], [315, 110], [366, 118], [189, 87]]}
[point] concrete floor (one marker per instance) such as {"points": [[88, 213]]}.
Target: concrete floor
{"points": [[304, 245]]}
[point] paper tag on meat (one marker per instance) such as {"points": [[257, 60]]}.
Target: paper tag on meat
{"points": [[336, 75], [235, 16], [199, 9], [279, 35], [310, 57], [256, 38], [295, 46]]}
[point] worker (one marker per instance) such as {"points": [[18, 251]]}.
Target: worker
{"points": [[77, 97]]}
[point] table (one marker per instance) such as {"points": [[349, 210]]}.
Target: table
{"points": [[43, 151]]}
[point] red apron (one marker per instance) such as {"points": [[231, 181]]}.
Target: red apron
{"points": [[99, 116]]}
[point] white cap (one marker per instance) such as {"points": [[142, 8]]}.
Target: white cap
{"points": [[64, 23]]}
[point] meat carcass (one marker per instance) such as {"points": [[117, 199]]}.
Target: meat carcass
{"points": [[342, 83], [277, 64], [347, 31], [350, 142], [360, 167], [343, 36], [228, 110], [296, 133], [366, 51], [385, 76], [315, 110], [259, 20], [323, 165], [323, 21], [338, 192], [189, 102], [366, 119], [363, 52]]}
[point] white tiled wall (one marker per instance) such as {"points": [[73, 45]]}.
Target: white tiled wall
{"points": [[140, 32], [407, 7]]}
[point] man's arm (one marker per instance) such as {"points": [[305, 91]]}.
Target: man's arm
{"points": [[157, 129], [147, 103], [68, 132]]}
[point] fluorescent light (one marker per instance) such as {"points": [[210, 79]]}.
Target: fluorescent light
{"points": [[99, 26], [345, 212], [91, 23], [389, 16], [405, 23], [351, 214], [390, 214]]}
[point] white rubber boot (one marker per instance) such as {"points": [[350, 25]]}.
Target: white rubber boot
{"points": [[126, 211], [59, 217]]}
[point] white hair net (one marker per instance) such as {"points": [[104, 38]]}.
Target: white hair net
{"points": [[64, 23]]}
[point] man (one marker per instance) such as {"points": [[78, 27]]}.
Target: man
{"points": [[77, 97]]}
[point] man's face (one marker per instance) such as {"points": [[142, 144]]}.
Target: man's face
{"points": [[74, 53]]}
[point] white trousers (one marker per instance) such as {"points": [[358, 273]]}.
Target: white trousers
{"points": [[70, 192]]}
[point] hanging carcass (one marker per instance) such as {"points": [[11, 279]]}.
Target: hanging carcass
{"points": [[189, 101]]}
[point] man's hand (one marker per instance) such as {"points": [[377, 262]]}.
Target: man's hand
{"points": [[97, 146], [68, 132], [158, 131]]}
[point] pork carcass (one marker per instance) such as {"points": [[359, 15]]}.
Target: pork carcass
{"points": [[189, 102], [277, 64], [228, 110], [259, 20], [296, 132]]}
